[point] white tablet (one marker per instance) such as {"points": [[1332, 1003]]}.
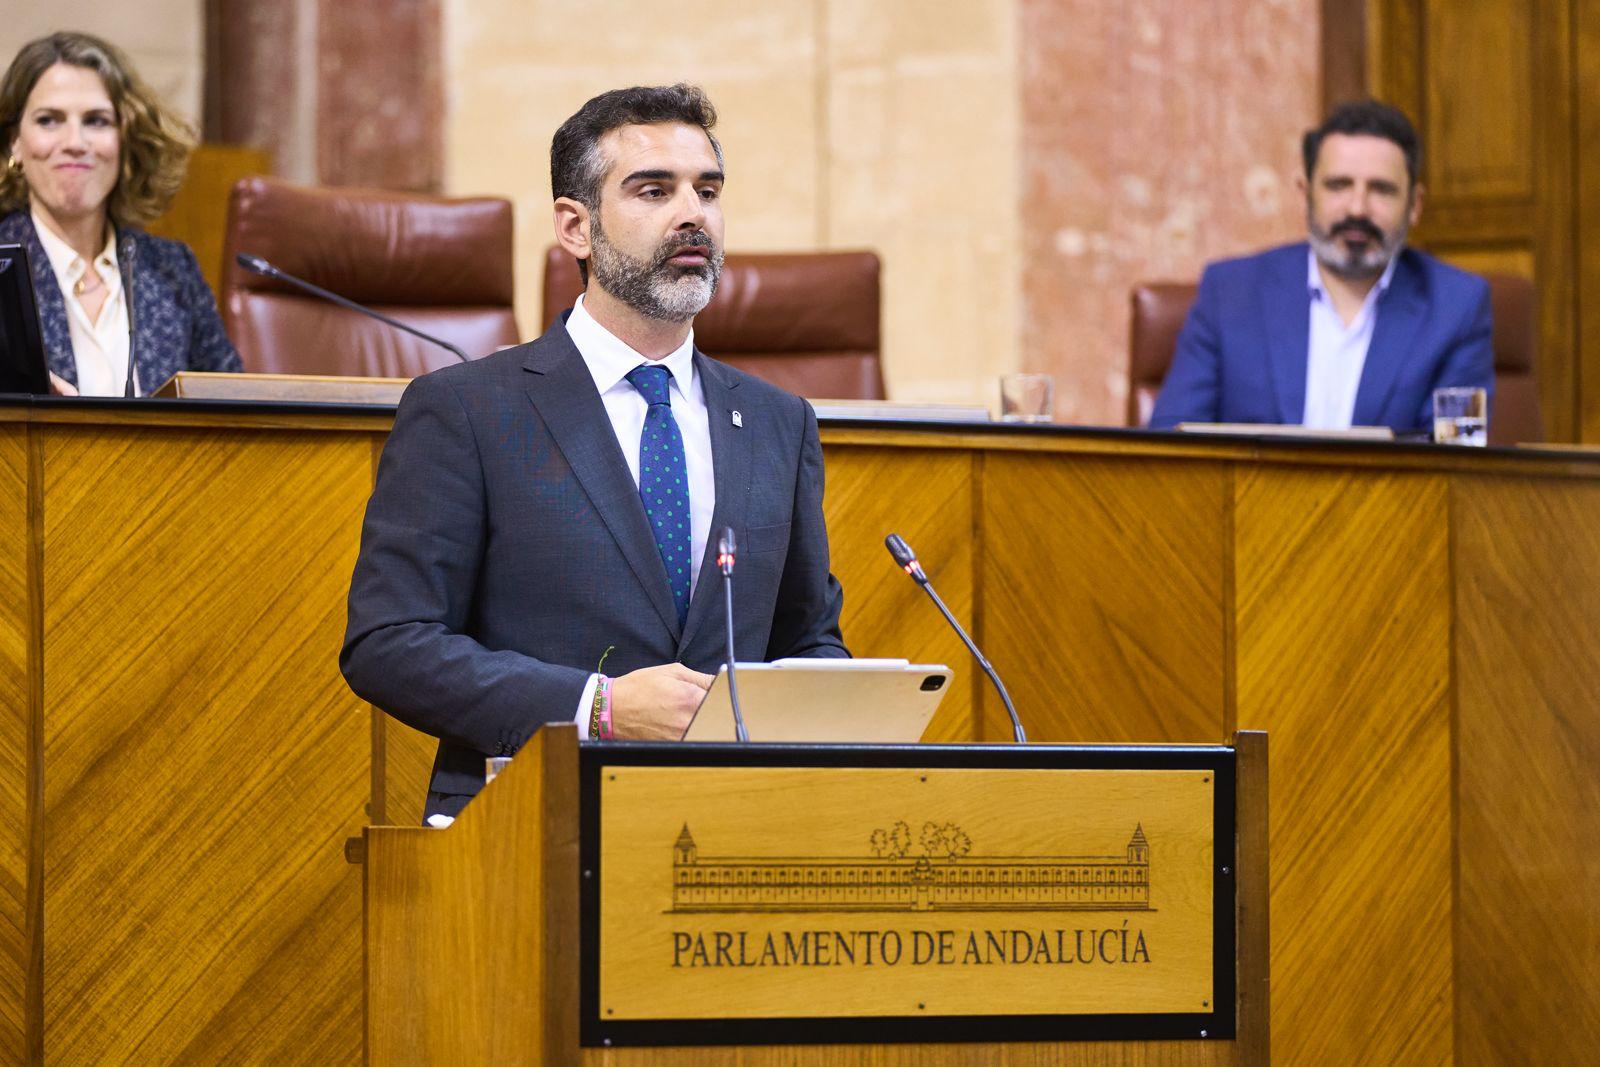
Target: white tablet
{"points": [[867, 701]]}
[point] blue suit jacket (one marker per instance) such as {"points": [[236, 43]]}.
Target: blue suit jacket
{"points": [[175, 321], [505, 548], [1242, 354]]}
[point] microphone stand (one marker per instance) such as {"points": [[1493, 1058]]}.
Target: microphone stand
{"points": [[908, 561], [725, 557], [257, 265], [126, 253]]}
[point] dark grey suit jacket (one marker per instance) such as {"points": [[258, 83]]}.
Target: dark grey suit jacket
{"points": [[505, 548]]}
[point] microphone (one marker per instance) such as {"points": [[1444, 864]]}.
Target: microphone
{"points": [[725, 554], [125, 252], [257, 265], [908, 562]]}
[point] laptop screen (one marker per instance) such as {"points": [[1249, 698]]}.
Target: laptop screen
{"points": [[22, 364]]}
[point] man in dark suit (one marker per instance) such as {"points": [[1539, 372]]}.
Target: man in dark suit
{"points": [[558, 503], [1351, 328]]}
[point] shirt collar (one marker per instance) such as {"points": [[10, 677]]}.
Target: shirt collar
{"points": [[64, 261], [609, 359], [1319, 292]]}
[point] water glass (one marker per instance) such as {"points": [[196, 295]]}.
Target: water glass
{"points": [[1027, 397], [493, 765], [1461, 416]]}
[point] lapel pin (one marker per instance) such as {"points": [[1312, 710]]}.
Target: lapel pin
{"points": [[738, 419]]}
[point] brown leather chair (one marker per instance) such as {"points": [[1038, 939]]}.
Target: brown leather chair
{"points": [[807, 322], [1515, 415], [442, 266], [1159, 308]]}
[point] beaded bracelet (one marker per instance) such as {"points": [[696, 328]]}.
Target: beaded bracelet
{"points": [[600, 711], [604, 689]]}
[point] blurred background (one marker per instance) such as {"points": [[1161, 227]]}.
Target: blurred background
{"points": [[1018, 164]]}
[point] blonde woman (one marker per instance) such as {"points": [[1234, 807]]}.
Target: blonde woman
{"points": [[92, 154]]}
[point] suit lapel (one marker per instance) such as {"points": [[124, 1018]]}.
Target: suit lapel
{"points": [[1400, 311], [52, 306], [563, 391], [1286, 315], [146, 302], [730, 467]]}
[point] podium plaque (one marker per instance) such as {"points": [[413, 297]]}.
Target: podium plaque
{"points": [[804, 894]]}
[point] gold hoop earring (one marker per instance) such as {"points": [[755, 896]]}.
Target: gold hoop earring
{"points": [[15, 164]]}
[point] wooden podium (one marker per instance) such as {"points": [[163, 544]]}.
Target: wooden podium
{"points": [[549, 925], [181, 763]]}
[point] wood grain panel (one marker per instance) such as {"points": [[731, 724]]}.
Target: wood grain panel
{"points": [[16, 689], [1514, 261], [1503, 93], [205, 760], [1586, 210], [198, 215], [407, 769], [1343, 625], [926, 496], [1528, 933], [472, 931], [1104, 595], [1478, 125]]}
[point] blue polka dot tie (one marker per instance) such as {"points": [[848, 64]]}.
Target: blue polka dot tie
{"points": [[664, 480]]}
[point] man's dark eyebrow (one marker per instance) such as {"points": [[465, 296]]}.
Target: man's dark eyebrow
{"points": [[667, 175]]}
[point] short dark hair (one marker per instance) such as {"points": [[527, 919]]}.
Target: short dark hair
{"points": [[577, 168], [1371, 117]]}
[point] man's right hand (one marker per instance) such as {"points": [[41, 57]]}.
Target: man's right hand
{"points": [[656, 703]]}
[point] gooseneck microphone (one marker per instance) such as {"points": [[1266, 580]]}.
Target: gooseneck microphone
{"points": [[257, 265], [125, 252], [725, 555], [908, 562]]}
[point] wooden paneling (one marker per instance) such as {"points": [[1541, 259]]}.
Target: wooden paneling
{"points": [[472, 937], [407, 767], [1104, 594], [1477, 120], [1586, 211], [1497, 90], [925, 496], [205, 761], [16, 709], [196, 579], [198, 215], [1343, 623], [1528, 933]]}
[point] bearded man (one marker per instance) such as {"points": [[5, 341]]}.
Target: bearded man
{"points": [[1349, 329], [556, 505]]}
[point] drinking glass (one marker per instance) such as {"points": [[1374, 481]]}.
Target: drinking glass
{"points": [[1461, 416], [1027, 397]]}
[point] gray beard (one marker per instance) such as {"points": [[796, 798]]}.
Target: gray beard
{"points": [[1332, 254], [655, 289]]}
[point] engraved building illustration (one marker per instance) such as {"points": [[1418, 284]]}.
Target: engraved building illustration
{"points": [[946, 877]]}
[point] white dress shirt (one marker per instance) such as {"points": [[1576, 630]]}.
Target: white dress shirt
{"points": [[1337, 353], [609, 360], [100, 345]]}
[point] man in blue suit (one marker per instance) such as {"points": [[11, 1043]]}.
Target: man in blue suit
{"points": [[1349, 329], [558, 503]]}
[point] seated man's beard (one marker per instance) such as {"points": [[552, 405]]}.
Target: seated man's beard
{"points": [[1330, 250], [657, 289]]}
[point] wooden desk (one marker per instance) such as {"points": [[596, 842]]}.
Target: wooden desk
{"points": [[180, 762]]}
